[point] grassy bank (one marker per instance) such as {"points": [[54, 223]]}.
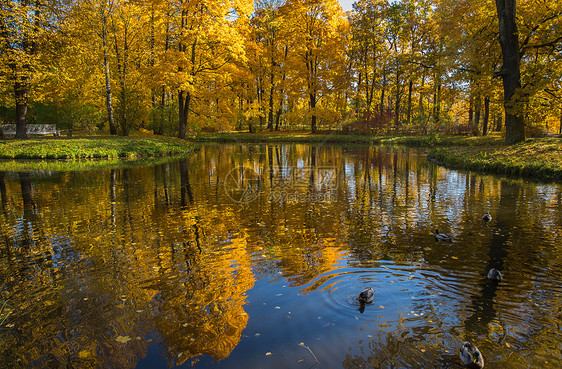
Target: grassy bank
{"points": [[539, 158], [64, 154], [93, 148]]}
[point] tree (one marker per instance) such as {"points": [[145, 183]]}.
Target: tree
{"points": [[207, 40], [510, 71], [20, 29], [316, 49]]}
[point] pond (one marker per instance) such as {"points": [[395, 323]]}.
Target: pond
{"points": [[252, 256]]}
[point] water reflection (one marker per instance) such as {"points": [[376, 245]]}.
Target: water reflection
{"points": [[174, 265]]}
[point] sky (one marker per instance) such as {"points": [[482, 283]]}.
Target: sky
{"points": [[346, 4]]}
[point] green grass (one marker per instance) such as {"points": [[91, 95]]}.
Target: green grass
{"points": [[93, 148], [539, 158], [25, 165], [87, 153]]}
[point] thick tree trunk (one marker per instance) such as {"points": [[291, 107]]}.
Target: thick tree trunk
{"points": [[21, 92], [510, 71]]}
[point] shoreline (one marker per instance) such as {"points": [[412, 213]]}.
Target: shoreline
{"points": [[538, 158]]}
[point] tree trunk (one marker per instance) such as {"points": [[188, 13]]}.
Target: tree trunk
{"points": [[470, 112], [510, 71], [499, 124], [560, 127], [477, 112], [313, 118], [270, 111], [420, 102], [108, 96], [486, 115], [397, 100], [436, 103], [409, 114], [383, 88], [183, 102], [21, 92]]}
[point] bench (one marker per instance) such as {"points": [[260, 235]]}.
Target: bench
{"points": [[32, 129]]}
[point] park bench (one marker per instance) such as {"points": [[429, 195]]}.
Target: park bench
{"points": [[32, 129]]}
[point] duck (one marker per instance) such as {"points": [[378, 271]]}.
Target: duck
{"points": [[442, 236], [495, 275], [366, 296], [487, 217], [471, 356]]}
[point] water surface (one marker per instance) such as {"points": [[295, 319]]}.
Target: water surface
{"points": [[251, 256]]}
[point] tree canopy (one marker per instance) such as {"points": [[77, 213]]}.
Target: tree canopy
{"points": [[178, 67]]}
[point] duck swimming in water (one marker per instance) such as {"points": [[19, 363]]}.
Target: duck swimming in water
{"points": [[366, 296], [471, 356], [442, 236], [495, 275], [486, 217]]}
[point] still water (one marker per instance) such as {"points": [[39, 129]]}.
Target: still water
{"points": [[252, 256]]}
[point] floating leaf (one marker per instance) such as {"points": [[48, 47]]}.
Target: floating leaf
{"points": [[123, 339], [84, 354]]}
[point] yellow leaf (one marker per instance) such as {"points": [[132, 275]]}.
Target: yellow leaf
{"points": [[123, 339]]}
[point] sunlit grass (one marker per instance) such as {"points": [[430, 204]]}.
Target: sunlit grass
{"points": [[45, 165], [93, 147], [538, 158]]}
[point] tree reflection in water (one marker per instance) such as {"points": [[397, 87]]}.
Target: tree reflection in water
{"points": [[103, 268]]}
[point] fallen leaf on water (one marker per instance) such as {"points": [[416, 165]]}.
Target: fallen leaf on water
{"points": [[123, 339], [84, 354], [268, 354]]}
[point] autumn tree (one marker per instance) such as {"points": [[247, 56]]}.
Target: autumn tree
{"points": [[21, 27], [207, 39], [316, 46]]}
